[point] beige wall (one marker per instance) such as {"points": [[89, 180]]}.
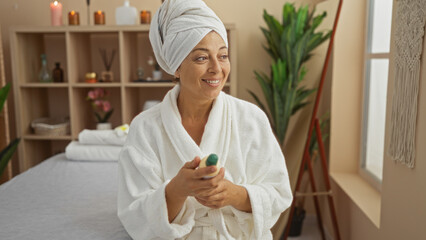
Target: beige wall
{"points": [[403, 195]]}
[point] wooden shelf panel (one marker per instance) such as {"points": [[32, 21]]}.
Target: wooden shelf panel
{"points": [[95, 85], [44, 85], [42, 137], [150, 84], [97, 28]]}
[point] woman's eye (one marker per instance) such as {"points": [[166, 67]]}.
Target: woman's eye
{"points": [[224, 56], [201, 58]]}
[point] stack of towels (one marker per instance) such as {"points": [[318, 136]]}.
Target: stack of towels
{"points": [[98, 145]]}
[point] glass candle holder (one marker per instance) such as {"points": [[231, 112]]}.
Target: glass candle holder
{"points": [[145, 17], [91, 77], [73, 18], [99, 18]]}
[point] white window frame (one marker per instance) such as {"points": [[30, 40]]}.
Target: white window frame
{"points": [[368, 55]]}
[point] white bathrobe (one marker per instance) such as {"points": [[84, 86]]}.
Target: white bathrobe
{"points": [[158, 146]]}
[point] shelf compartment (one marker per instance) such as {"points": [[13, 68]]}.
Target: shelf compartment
{"points": [[85, 119], [136, 51], [40, 103], [135, 99], [84, 54], [31, 46], [37, 151]]}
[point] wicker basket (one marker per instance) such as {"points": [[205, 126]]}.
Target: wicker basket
{"points": [[51, 126]]}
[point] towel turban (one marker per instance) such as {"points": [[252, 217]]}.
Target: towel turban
{"points": [[177, 27]]}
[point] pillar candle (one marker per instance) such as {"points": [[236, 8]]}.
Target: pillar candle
{"points": [[145, 16], [99, 18], [56, 13], [73, 18]]}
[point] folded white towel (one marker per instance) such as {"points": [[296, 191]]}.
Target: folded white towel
{"points": [[101, 137], [81, 152]]}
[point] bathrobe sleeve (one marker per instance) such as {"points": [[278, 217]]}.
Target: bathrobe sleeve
{"points": [[268, 183], [142, 207]]}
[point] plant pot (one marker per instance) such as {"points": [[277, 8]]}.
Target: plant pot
{"points": [[103, 126], [297, 222]]}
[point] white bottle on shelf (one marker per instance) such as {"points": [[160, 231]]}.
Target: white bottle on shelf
{"points": [[126, 15]]}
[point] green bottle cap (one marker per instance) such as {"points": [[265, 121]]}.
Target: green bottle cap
{"points": [[212, 160]]}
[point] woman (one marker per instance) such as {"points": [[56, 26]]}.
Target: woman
{"points": [[162, 192]]}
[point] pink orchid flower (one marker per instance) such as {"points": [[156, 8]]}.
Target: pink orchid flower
{"points": [[106, 106]]}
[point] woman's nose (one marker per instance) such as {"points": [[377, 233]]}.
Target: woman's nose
{"points": [[215, 66]]}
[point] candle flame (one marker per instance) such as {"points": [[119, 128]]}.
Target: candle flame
{"points": [[72, 12], [99, 12], [55, 3]]}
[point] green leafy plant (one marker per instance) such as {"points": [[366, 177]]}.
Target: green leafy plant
{"points": [[290, 44], [7, 153]]}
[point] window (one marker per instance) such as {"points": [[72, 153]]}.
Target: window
{"points": [[376, 64]]}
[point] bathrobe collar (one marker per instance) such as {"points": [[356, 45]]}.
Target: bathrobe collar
{"points": [[217, 132]]}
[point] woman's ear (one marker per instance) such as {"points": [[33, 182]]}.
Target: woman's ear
{"points": [[177, 74]]}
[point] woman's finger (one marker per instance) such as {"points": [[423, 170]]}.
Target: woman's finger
{"points": [[202, 172], [192, 164]]}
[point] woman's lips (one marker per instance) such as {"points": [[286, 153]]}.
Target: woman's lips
{"points": [[212, 82]]}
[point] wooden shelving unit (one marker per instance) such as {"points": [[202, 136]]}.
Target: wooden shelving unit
{"points": [[77, 50]]}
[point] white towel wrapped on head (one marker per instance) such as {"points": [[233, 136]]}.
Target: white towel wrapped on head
{"points": [[81, 152], [177, 27]]}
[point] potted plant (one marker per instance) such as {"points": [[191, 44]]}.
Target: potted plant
{"points": [[290, 44], [102, 107], [7, 153]]}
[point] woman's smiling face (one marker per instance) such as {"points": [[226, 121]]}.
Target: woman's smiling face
{"points": [[205, 70]]}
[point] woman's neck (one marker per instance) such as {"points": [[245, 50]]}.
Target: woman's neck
{"points": [[193, 109]]}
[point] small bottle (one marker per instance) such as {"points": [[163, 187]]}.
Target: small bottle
{"points": [[126, 15], [58, 73], [44, 75], [210, 160]]}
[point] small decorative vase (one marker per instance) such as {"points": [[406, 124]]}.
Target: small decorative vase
{"points": [[157, 75], [104, 126]]}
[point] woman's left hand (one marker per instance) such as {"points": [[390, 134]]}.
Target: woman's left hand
{"points": [[223, 194]]}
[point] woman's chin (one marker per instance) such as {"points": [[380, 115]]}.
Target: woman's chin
{"points": [[213, 93]]}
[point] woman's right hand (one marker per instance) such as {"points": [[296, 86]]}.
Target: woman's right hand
{"points": [[189, 180]]}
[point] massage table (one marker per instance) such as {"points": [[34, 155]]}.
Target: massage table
{"points": [[62, 199]]}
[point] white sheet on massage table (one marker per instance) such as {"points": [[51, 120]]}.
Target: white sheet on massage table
{"points": [[62, 199]]}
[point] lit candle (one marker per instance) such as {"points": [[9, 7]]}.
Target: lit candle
{"points": [[56, 13], [145, 16], [99, 18], [73, 18]]}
